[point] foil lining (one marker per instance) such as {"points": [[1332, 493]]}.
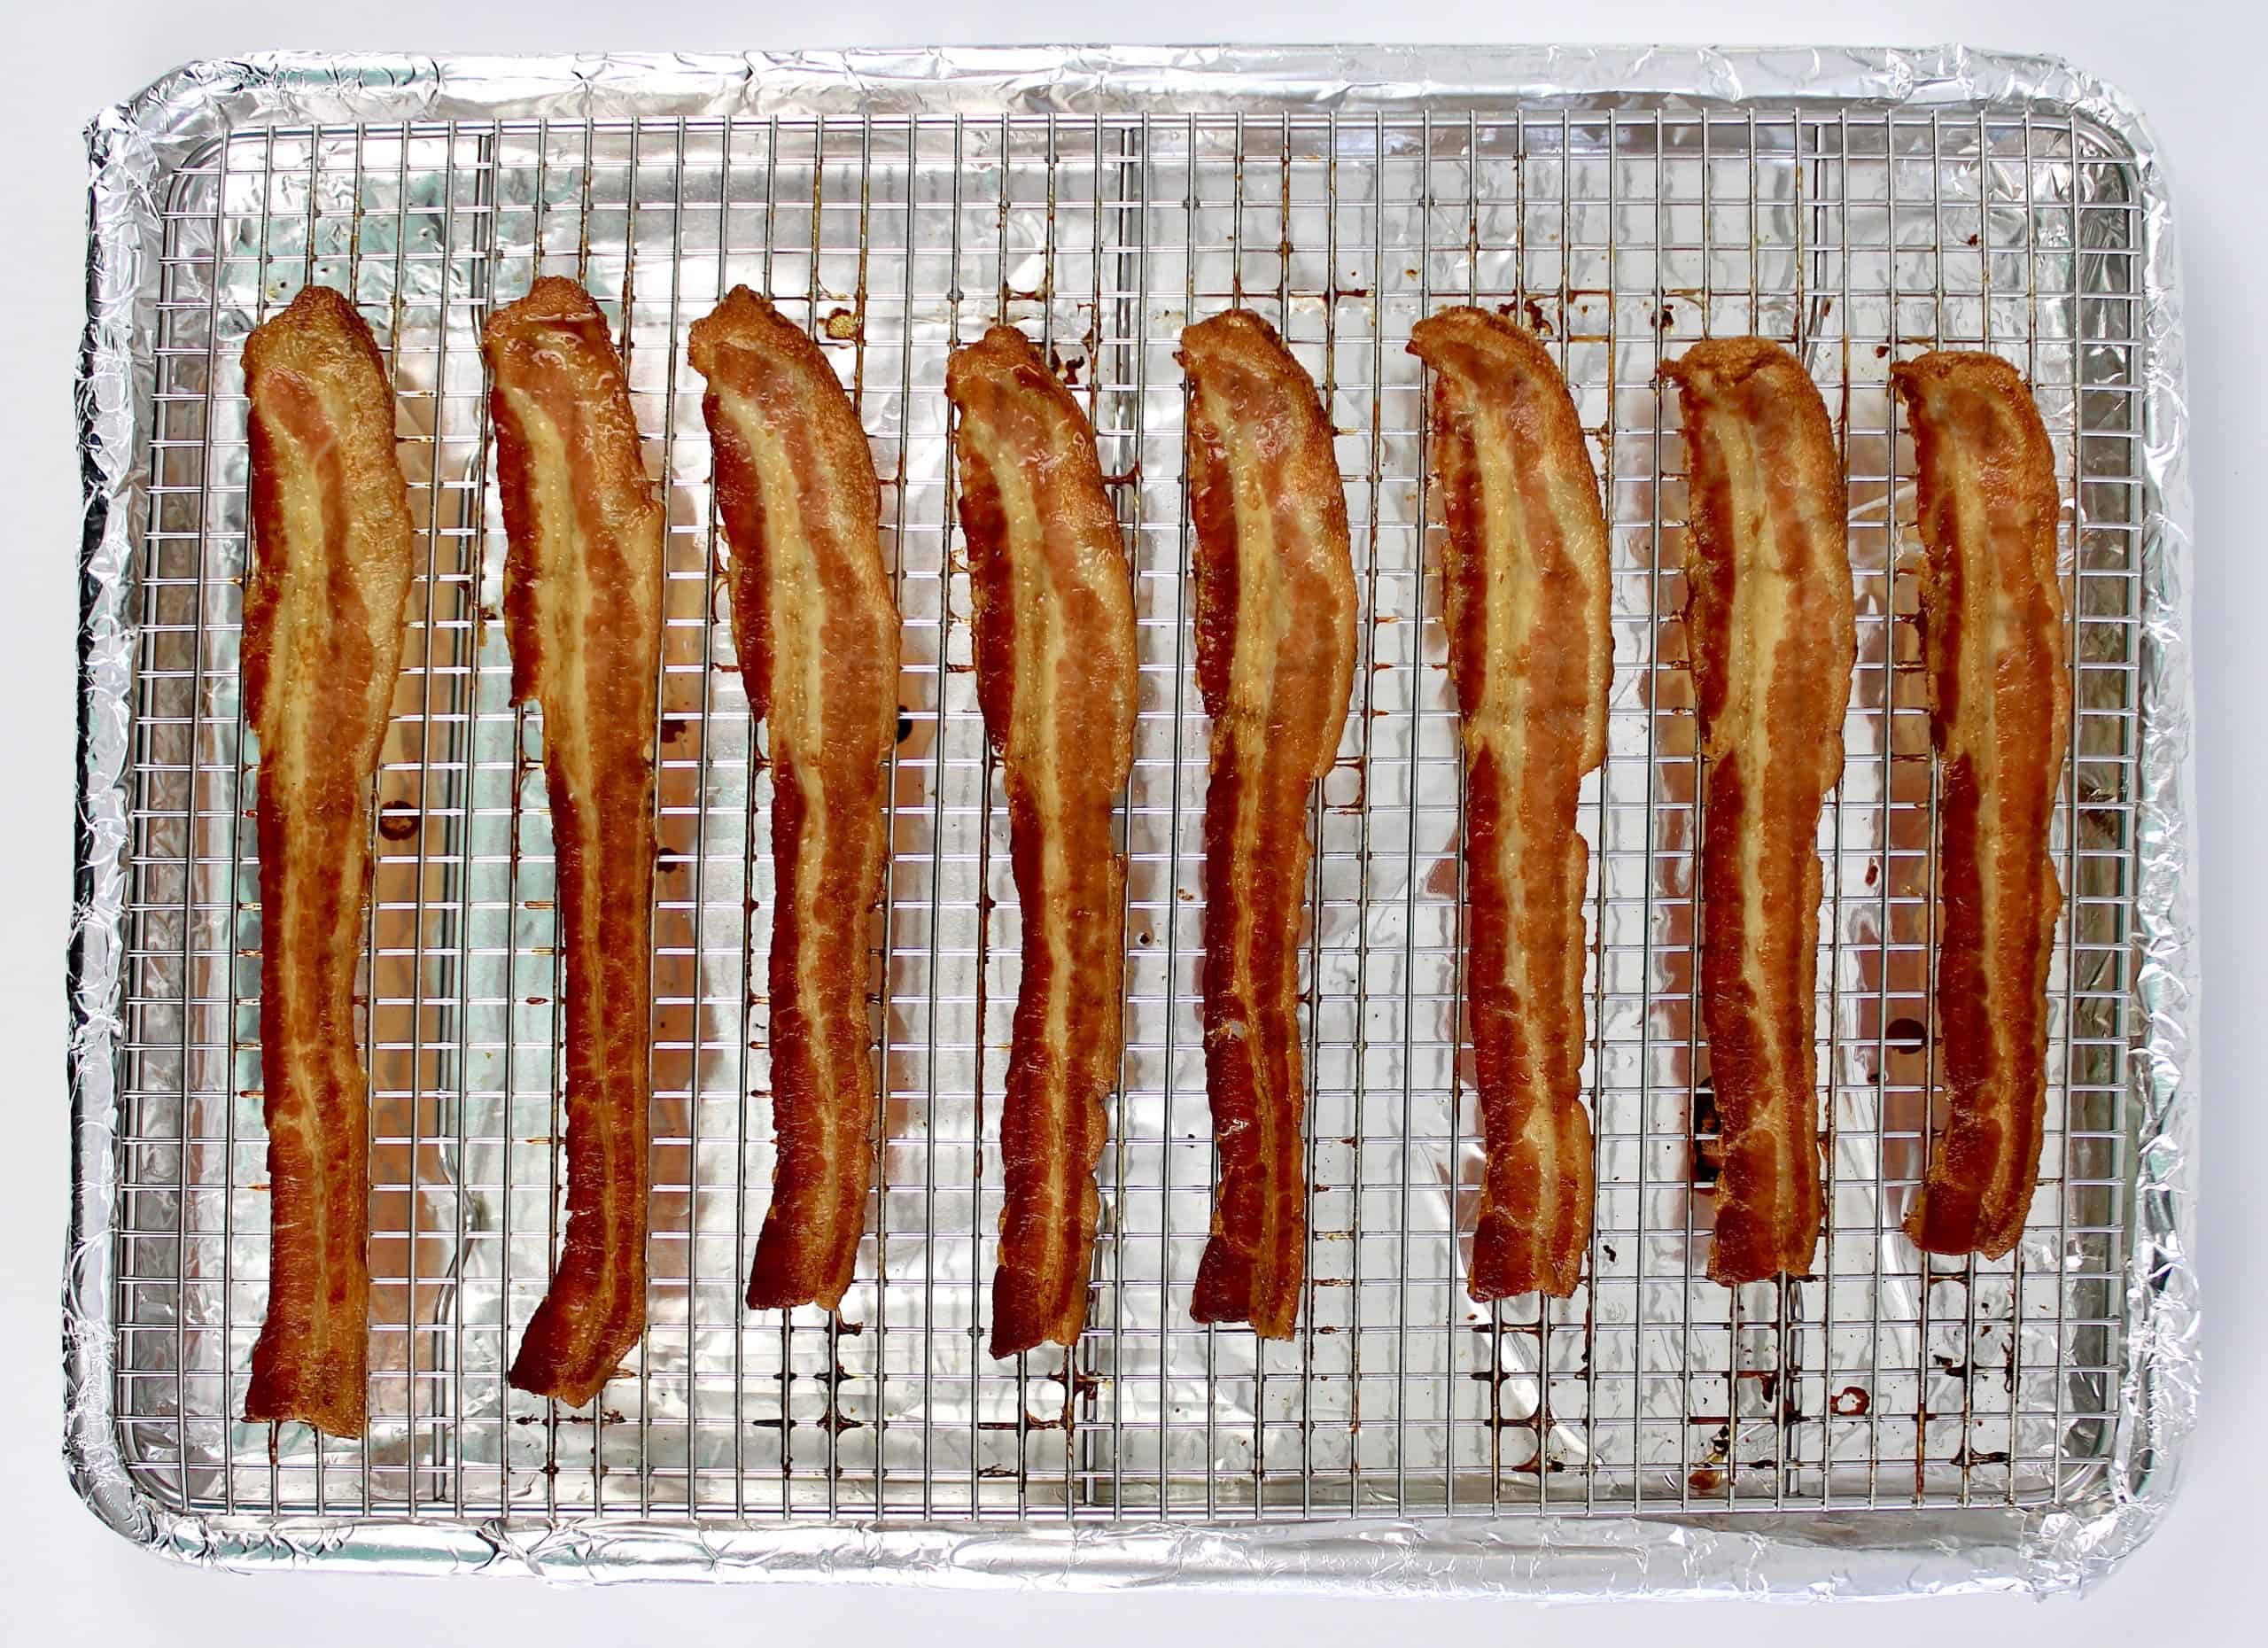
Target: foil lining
{"points": [[133, 1324]]}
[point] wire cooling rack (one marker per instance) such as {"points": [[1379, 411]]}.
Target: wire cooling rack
{"points": [[1855, 234]]}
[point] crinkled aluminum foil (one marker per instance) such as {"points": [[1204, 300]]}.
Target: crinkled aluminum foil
{"points": [[137, 147]]}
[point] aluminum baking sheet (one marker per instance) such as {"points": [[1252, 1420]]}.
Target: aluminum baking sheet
{"points": [[1890, 1425]]}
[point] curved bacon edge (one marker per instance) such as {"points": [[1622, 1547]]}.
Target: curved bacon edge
{"points": [[323, 636], [1991, 622], [1772, 634], [1525, 580], [1056, 677], [819, 637], [1275, 618], [582, 609]]}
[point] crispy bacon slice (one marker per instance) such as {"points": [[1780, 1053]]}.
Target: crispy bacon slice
{"points": [[1770, 624], [818, 637], [1275, 616], [330, 573], [1056, 677], [583, 612], [2001, 708], [1526, 587]]}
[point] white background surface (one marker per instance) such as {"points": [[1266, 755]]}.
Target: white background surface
{"points": [[2196, 71]]}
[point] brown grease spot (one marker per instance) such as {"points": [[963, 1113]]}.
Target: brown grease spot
{"points": [[1708, 1135]]}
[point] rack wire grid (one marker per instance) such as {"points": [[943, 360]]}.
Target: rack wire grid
{"points": [[1618, 234]]}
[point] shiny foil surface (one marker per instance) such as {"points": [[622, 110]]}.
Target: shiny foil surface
{"points": [[1888, 1424]]}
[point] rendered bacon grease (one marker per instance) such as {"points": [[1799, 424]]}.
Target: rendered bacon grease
{"points": [[1056, 677], [582, 612], [1275, 622], [818, 632], [1771, 628], [322, 635], [1992, 623], [1526, 595]]}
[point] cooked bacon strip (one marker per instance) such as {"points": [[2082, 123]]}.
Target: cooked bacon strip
{"points": [[1770, 626], [1275, 663], [583, 611], [817, 630], [1525, 586], [332, 551], [2000, 707], [1056, 676]]}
